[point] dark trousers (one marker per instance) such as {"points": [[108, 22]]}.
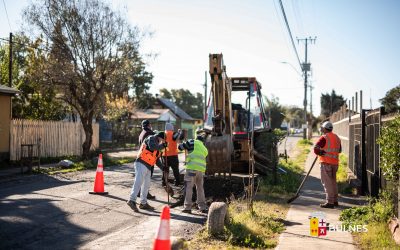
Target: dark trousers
{"points": [[173, 162]]}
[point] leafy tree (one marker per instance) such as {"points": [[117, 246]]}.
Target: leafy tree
{"points": [[93, 51], [32, 102], [191, 104], [331, 103], [294, 116], [391, 101], [276, 110], [164, 93], [141, 80]]}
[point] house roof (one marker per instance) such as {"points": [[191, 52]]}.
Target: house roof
{"points": [[8, 90], [175, 109], [152, 114]]}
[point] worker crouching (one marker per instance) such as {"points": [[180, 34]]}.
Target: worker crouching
{"points": [[328, 149], [149, 154], [194, 176]]}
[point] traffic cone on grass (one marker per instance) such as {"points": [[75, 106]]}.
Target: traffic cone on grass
{"points": [[162, 241], [99, 180]]}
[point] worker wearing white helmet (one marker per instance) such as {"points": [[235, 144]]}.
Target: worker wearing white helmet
{"points": [[328, 149]]}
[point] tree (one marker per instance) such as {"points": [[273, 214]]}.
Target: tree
{"points": [[276, 110], [191, 104], [294, 116], [32, 102], [92, 51], [331, 103], [391, 101]]}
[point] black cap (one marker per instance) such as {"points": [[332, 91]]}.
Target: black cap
{"points": [[145, 123], [161, 134]]}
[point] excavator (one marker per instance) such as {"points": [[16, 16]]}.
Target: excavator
{"points": [[235, 118]]}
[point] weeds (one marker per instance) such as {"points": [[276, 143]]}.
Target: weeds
{"points": [[376, 215]]}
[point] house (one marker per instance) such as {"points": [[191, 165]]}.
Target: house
{"points": [[157, 118], [183, 120], [5, 120]]}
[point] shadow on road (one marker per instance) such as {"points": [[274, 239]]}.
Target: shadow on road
{"points": [[35, 223]]}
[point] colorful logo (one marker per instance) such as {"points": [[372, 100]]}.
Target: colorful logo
{"points": [[318, 224]]}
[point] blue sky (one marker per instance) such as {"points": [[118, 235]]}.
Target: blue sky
{"points": [[357, 46]]}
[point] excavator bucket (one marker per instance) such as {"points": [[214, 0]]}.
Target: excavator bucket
{"points": [[219, 154]]}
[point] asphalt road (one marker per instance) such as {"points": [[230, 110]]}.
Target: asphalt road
{"points": [[57, 212], [289, 143]]}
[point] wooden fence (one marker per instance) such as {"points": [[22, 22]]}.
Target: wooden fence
{"points": [[57, 138]]}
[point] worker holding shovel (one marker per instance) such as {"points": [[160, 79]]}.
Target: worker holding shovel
{"points": [[328, 149]]}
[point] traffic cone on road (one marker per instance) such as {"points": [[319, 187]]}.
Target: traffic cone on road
{"points": [[99, 180], [162, 241]]}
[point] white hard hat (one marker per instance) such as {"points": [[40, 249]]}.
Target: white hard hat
{"points": [[327, 125]]}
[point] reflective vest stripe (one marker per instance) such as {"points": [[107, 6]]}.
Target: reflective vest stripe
{"points": [[331, 148]]}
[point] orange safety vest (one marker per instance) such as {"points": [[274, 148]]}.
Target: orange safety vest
{"points": [[147, 156], [172, 148], [331, 148]]}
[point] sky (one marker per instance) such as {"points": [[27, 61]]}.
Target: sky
{"points": [[356, 47]]}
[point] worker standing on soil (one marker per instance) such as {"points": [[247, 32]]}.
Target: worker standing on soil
{"points": [[195, 169], [170, 157], [148, 155], [147, 130], [328, 149]]}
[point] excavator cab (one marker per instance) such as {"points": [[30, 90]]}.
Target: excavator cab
{"points": [[235, 110]]}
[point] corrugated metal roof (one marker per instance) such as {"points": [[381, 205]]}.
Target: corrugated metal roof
{"points": [[175, 109], [149, 113], [8, 90]]}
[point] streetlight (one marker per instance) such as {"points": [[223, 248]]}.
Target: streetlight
{"points": [[293, 67]]}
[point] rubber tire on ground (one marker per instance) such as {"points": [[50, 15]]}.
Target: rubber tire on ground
{"points": [[217, 214]]}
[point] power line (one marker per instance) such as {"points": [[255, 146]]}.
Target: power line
{"points": [[24, 44], [8, 19], [290, 33]]}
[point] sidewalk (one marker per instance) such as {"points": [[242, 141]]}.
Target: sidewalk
{"points": [[297, 233]]}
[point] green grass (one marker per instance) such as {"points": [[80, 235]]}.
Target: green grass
{"points": [[375, 215], [341, 176], [80, 165], [378, 237], [261, 228]]}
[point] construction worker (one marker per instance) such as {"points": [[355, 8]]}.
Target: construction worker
{"points": [[195, 169], [170, 157], [147, 130], [328, 149], [148, 155]]}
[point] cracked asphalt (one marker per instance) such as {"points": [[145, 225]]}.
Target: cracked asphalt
{"points": [[57, 212]]}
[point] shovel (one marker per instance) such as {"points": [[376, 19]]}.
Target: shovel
{"points": [[302, 183]]}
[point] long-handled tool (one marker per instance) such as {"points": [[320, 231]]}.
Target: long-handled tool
{"points": [[302, 183]]}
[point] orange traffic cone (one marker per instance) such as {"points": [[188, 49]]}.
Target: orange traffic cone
{"points": [[162, 241], [99, 180]]}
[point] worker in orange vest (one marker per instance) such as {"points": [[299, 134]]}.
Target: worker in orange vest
{"points": [[170, 156], [328, 149], [149, 154]]}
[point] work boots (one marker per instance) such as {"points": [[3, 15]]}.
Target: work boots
{"points": [[146, 206], [327, 205], [132, 205]]}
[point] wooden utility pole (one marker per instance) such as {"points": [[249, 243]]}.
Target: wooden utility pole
{"points": [[306, 67], [10, 61], [205, 96]]}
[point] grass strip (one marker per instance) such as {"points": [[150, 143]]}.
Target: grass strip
{"points": [[261, 229]]}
